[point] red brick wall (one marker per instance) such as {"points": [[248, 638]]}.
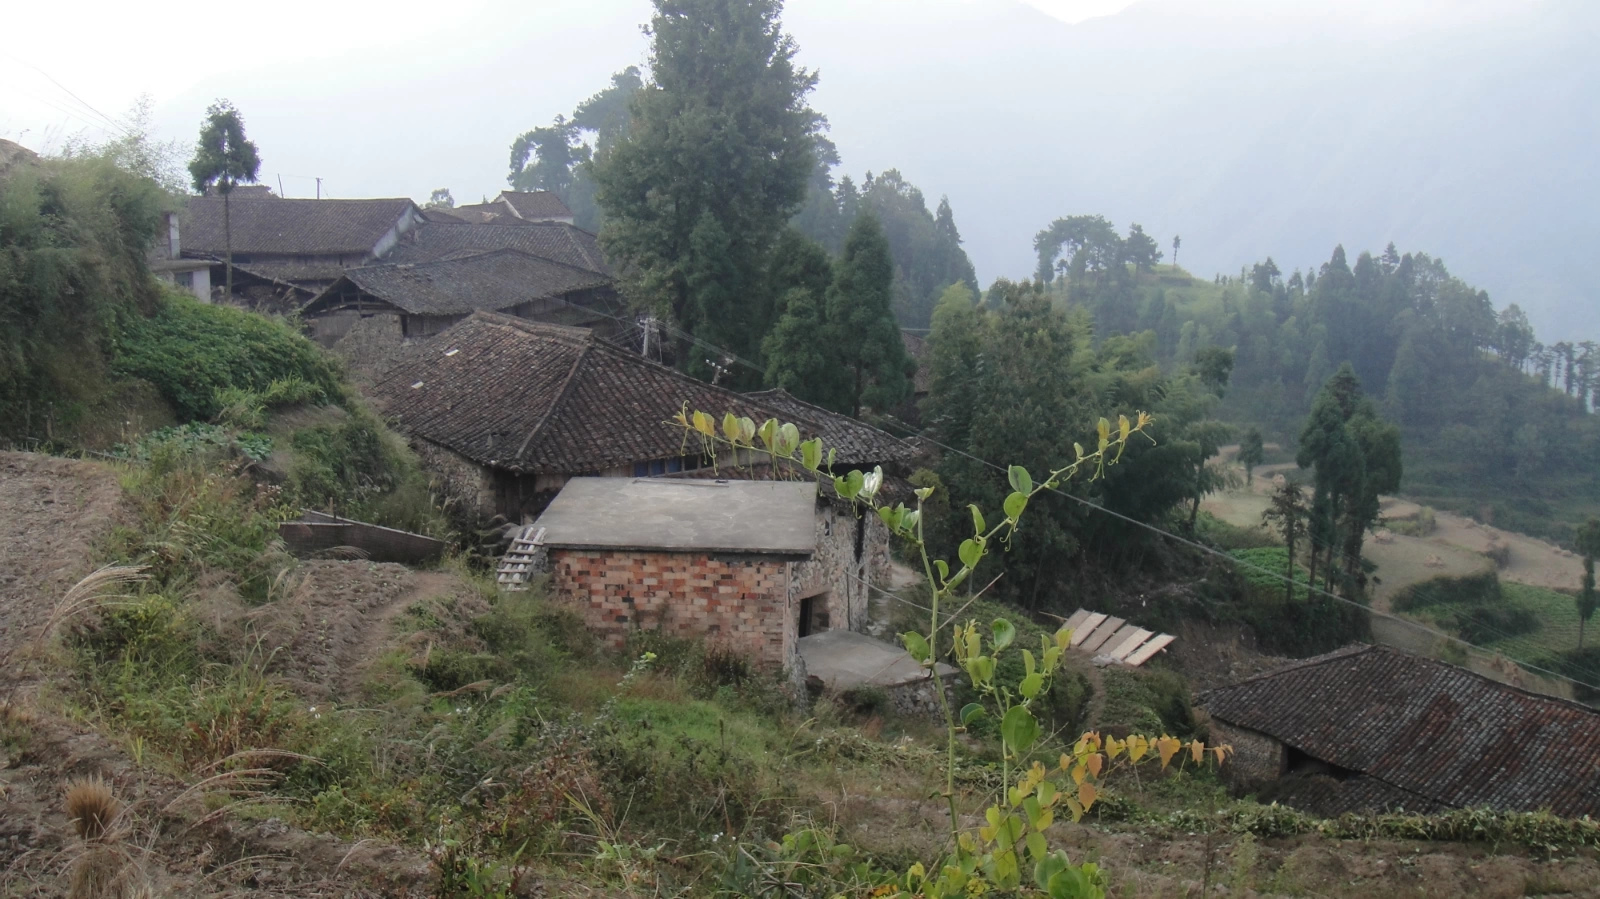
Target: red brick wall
{"points": [[738, 602]]}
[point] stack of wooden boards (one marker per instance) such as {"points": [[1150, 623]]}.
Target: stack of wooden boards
{"points": [[1113, 638]]}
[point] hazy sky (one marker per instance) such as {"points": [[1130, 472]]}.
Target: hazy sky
{"points": [[960, 95]]}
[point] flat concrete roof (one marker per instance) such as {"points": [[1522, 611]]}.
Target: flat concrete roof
{"points": [[684, 515], [843, 660]]}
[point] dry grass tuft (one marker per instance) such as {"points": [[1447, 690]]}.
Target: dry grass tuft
{"points": [[92, 807], [88, 593]]}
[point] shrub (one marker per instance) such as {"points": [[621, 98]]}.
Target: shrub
{"points": [[194, 353], [1472, 589]]}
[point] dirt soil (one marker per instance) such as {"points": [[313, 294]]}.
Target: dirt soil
{"points": [[52, 512]]}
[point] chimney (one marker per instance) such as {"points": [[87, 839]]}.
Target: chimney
{"points": [[174, 248]]}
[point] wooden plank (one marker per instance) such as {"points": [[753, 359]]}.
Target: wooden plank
{"points": [[1148, 651], [1089, 624], [1102, 633], [1076, 619], [1122, 649]]}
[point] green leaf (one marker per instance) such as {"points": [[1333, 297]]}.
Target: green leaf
{"points": [[730, 427], [1069, 883], [892, 517], [916, 645], [1015, 503], [843, 488], [1031, 685], [1004, 632], [769, 433], [788, 439], [1028, 665], [1048, 867], [1038, 849], [1021, 481], [943, 568], [971, 712], [811, 454], [981, 670], [977, 520], [971, 553], [1019, 729]]}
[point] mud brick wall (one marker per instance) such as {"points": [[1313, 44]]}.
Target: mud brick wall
{"points": [[738, 602], [1257, 759]]}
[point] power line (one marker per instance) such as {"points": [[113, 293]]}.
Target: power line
{"points": [[1310, 588]]}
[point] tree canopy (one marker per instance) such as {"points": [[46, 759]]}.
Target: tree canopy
{"points": [[714, 164]]}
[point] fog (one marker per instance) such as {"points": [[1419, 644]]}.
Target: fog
{"points": [[1250, 127]]}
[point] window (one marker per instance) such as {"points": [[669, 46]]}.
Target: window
{"points": [[184, 279]]}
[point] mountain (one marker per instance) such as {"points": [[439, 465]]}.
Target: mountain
{"points": [[1461, 130]]}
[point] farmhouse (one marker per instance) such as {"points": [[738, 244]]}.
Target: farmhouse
{"points": [[505, 411], [751, 565], [1371, 728], [287, 250], [409, 300], [516, 206]]}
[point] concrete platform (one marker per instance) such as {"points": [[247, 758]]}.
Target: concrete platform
{"points": [[843, 660]]}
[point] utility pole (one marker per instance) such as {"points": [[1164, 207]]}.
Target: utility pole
{"points": [[719, 369], [280, 185], [319, 188]]}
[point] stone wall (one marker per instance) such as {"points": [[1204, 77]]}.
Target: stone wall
{"points": [[738, 602], [1257, 759], [465, 488], [918, 699], [836, 569]]}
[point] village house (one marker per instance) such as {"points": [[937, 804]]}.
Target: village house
{"points": [[401, 301], [753, 566], [168, 263], [1372, 728], [505, 411], [285, 251], [513, 206]]}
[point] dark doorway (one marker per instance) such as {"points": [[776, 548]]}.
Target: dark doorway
{"points": [[813, 614]]}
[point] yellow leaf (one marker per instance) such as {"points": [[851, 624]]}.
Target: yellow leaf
{"points": [[1168, 747], [1137, 747], [1114, 747], [1076, 807], [1066, 762], [1197, 751], [1123, 427], [1096, 761], [1087, 795], [1079, 773]]}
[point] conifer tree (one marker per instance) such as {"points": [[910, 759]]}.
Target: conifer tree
{"points": [[1589, 547], [860, 320], [1251, 453], [716, 160]]}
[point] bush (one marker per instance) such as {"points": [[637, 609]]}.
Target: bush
{"points": [[1488, 623], [195, 353], [1472, 589]]}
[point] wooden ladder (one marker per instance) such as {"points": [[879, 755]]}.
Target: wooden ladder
{"points": [[517, 565]]}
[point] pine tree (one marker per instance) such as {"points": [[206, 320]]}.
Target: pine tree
{"points": [[860, 319], [1589, 547], [1287, 512], [1251, 453], [801, 356], [716, 160]]}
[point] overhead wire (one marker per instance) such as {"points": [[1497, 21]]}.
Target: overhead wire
{"points": [[1311, 589]]}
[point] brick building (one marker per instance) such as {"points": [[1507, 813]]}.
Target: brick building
{"points": [[1372, 728], [749, 565]]}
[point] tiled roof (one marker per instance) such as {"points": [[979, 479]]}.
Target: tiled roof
{"points": [[536, 204], [842, 432], [1426, 727], [433, 241], [290, 227], [442, 214], [485, 282], [539, 398], [296, 273]]}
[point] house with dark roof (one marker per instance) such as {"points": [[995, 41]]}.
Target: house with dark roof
{"points": [[505, 411], [563, 243], [405, 300], [290, 249], [1372, 728], [516, 206]]}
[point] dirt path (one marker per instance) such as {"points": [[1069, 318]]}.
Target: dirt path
{"points": [[339, 617], [51, 513]]}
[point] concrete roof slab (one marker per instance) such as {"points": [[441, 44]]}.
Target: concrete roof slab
{"points": [[673, 515]]}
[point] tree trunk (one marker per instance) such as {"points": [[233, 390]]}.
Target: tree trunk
{"points": [[1289, 543], [227, 239]]}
